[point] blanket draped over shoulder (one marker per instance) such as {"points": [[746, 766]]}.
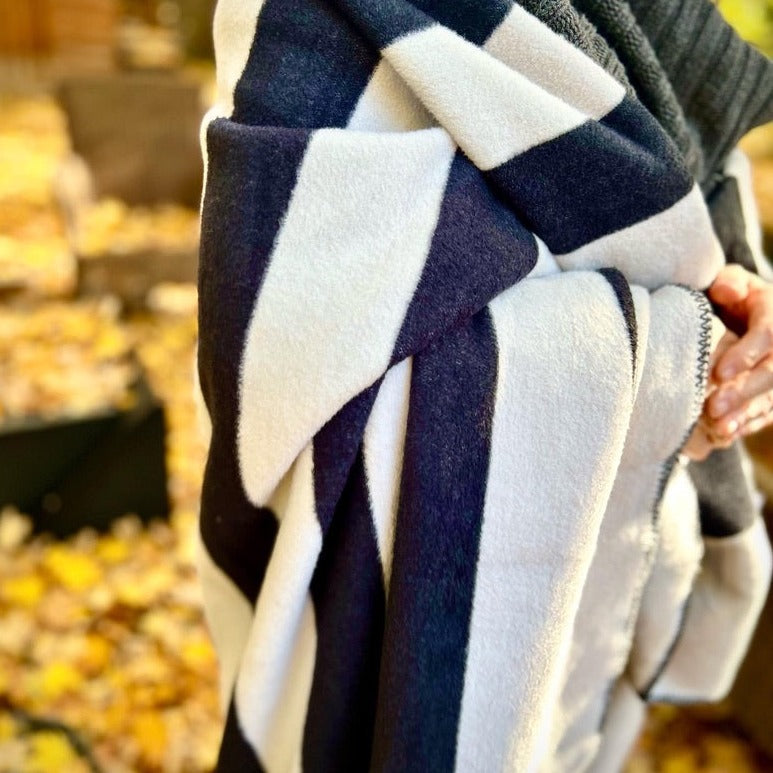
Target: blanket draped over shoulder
{"points": [[452, 341]]}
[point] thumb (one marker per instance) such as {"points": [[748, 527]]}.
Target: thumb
{"points": [[731, 287]]}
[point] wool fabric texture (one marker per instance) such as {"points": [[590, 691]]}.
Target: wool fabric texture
{"points": [[619, 27], [452, 341], [723, 85]]}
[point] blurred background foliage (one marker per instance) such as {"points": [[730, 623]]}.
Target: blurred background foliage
{"points": [[753, 19]]}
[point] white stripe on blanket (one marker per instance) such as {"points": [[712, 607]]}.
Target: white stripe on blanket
{"points": [[383, 443], [525, 44], [676, 561], [720, 618], [274, 680], [532, 564], [625, 550], [504, 112], [233, 29], [229, 618], [388, 105], [349, 256], [623, 249]]}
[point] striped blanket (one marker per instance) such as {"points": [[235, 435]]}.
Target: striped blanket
{"points": [[451, 344]]}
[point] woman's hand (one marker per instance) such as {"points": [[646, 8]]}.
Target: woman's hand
{"points": [[740, 393]]}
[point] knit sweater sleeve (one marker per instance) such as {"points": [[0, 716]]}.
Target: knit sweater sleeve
{"points": [[724, 85]]}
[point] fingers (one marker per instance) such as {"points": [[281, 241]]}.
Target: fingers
{"points": [[740, 393], [731, 396], [699, 445], [757, 423], [747, 352], [756, 344], [742, 406], [728, 340], [731, 286], [755, 414]]}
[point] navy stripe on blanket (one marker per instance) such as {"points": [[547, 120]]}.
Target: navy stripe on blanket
{"points": [[335, 448], [469, 18], [239, 536], [247, 191], [235, 753], [635, 125], [479, 249], [307, 67], [593, 181], [385, 21], [249, 182], [349, 599], [437, 534], [624, 298]]}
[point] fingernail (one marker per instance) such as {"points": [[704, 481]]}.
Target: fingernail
{"points": [[732, 427]]}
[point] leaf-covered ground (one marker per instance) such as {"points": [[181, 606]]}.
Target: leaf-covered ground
{"points": [[103, 633], [105, 661]]}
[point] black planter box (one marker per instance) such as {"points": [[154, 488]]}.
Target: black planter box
{"points": [[131, 276], [69, 473]]}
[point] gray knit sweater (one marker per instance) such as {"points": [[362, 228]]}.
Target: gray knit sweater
{"points": [[705, 84]]}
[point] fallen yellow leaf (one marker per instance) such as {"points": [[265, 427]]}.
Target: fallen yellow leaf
{"points": [[52, 753], [75, 571], [197, 653], [56, 679], [7, 727], [24, 591], [112, 550], [149, 731], [96, 655], [680, 761]]}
